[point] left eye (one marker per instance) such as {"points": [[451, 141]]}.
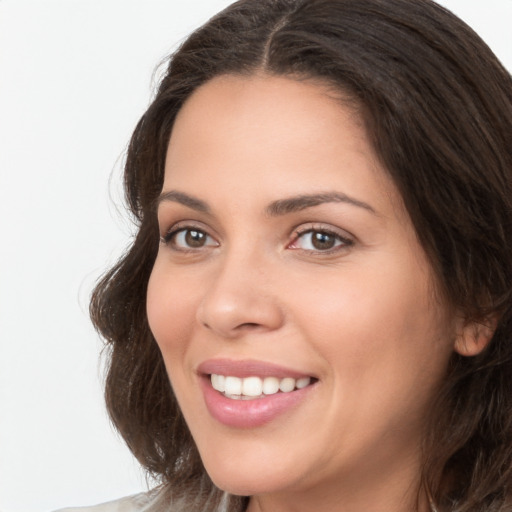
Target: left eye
{"points": [[318, 240], [189, 238]]}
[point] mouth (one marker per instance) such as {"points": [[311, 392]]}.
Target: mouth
{"points": [[254, 388], [250, 394]]}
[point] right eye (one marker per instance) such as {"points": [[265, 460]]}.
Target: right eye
{"points": [[188, 238]]}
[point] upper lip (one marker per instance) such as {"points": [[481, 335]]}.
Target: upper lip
{"points": [[247, 368]]}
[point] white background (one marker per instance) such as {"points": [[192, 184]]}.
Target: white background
{"points": [[75, 76]]}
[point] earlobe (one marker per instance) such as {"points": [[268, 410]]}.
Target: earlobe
{"points": [[474, 336]]}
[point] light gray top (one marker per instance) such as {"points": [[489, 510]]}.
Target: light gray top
{"points": [[136, 503], [152, 501]]}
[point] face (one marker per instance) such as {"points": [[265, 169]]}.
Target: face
{"points": [[289, 274]]}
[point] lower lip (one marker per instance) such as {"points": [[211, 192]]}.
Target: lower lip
{"points": [[250, 413]]}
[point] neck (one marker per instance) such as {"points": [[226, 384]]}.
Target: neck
{"points": [[390, 492]]}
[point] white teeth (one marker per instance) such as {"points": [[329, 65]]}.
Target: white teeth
{"points": [[233, 386], [270, 385], [218, 382], [287, 384], [303, 382], [252, 387]]}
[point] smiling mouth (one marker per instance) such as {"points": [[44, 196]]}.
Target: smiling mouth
{"points": [[253, 388]]}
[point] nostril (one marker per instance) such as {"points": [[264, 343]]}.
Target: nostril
{"points": [[249, 325]]}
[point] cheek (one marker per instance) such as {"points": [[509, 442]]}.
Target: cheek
{"points": [[368, 321], [171, 312], [387, 348]]}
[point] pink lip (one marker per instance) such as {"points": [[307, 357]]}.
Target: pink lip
{"points": [[248, 413], [247, 368]]}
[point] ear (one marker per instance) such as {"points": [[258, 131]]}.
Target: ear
{"points": [[472, 337]]}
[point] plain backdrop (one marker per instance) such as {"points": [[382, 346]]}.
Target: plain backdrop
{"points": [[75, 76]]}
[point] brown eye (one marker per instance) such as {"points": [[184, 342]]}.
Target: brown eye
{"points": [[322, 241], [195, 238], [189, 238], [319, 240]]}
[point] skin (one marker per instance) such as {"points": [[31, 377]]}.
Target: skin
{"points": [[364, 318]]}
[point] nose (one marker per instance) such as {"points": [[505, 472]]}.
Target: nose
{"points": [[240, 298]]}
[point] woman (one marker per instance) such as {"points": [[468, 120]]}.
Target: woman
{"points": [[315, 313]]}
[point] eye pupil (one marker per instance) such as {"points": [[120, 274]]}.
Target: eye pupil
{"points": [[195, 238], [322, 241]]}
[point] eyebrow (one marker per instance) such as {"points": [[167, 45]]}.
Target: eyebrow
{"points": [[184, 199], [274, 209], [301, 202]]}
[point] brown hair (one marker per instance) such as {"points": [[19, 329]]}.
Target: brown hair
{"points": [[438, 108]]}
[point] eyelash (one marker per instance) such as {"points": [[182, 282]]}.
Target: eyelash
{"points": [[341, 242], [169, 239]]}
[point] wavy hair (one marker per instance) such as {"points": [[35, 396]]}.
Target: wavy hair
{"points": [[437, 105]]}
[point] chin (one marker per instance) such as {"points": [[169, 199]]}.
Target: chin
{"points": [[240, 483], [242, 477]]}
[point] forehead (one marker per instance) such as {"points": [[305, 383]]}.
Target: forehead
{"points": [[296, 134]]}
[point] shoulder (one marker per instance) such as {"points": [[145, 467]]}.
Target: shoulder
{"points": [[156, 500], [135, 503]]}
